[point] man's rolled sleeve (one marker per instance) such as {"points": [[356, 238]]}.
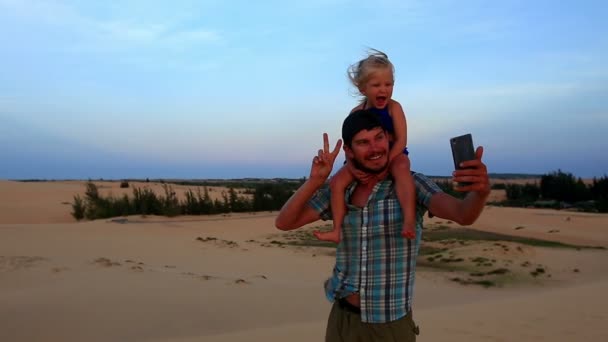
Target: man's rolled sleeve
{"points": [[425, 188], [320, 202]]}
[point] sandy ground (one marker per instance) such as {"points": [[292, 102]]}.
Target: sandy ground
{"points": [[225, 278]]}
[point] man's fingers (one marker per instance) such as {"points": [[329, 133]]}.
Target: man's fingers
{"points": [[479, 152], [469, 172], [471, 177], [472, 187], [322, 156], [336, 150], [466, 188], [477, 183], [467, 179], [475, 163], [325, 142]]}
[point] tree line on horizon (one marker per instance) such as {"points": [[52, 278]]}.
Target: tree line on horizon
{"points": [[559, 190], [556, 190], [144, 201]]}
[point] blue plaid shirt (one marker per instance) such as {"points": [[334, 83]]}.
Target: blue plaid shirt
{"points": [[372, 257]]}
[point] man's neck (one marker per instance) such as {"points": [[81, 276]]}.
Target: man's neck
{"points": [[380, 176], [367, 187]]}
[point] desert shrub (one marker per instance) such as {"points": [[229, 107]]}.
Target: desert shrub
{"points": [[563, 186], [169, 203], [602, 205], [599, 188], [124, 184], [191, 204], [78, 208], [522, 193], [272, 196], [238, 203], [145, 202], [91, 193]]}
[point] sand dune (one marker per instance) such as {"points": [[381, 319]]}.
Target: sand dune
{"points": [[50, 202], [233, 278]]}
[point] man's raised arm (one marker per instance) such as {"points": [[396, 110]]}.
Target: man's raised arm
{"points": [[467, 210], [295, 212]]}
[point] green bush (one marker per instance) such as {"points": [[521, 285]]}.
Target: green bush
{"points": [[78, 208], [563, 186]]}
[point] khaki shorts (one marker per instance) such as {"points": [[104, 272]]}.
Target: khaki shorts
{"points": [[344, 325]]}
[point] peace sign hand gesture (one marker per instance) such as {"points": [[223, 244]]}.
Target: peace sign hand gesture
{"points": [[323, 162]]}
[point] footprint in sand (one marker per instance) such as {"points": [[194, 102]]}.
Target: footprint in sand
{"points": [[218, 242], [14, 263], [238, 281], [198, 276], [105, 262], [59, 269]]}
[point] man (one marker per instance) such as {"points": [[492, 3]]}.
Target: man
{"points": [[373, 278]]}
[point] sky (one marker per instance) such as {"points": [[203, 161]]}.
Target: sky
{"points": [[236, 89]]}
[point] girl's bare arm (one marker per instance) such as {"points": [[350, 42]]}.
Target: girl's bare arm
{"points": [[400, 126]]}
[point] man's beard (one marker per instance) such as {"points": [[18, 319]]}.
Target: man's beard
{"points": [[359, 166]]}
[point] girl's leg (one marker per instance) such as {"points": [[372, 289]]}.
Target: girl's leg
{"points": [[406, 194], [337, 184]]}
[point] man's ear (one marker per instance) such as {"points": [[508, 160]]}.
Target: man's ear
{"points": [[348, 152]]}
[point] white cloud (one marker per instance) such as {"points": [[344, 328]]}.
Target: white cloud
{"points": [[119, 30]]}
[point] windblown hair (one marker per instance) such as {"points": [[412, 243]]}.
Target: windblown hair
{"points": [[360, 72]]}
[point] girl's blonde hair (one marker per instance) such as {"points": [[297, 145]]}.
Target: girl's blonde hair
{"points": [[360, 72]]}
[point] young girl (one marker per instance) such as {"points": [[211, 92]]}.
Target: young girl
{"points": [[373, 77]]}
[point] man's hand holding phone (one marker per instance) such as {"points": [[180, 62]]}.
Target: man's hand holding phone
{"points": [[471, 173]]}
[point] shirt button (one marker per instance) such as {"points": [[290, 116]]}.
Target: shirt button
{"points": [[364, 268]]}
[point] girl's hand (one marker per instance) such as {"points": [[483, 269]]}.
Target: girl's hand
{"points": [[362, 177]]}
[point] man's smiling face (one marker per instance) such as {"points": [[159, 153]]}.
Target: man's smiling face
{"points": [[369, 150]]}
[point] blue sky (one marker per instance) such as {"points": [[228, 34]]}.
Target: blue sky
{"points": [[230, 89]]}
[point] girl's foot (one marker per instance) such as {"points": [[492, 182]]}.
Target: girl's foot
{"points": [[333, 236], [408, 232]]}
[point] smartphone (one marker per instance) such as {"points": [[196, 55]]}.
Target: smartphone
{"points": [[462, 150]]}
